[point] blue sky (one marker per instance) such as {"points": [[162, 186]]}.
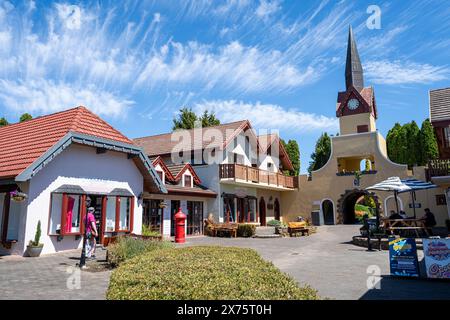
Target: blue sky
{"points": [[279, 63]]}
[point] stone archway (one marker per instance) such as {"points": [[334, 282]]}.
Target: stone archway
{"points": [[346, 205]]}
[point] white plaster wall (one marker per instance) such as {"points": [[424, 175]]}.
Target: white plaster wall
{"points": [[79, 165], [270, 159]]}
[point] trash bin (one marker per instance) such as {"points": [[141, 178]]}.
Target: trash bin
{"points": [[315, 217]]}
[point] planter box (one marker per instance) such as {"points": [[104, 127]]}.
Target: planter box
{"points": [[33, 251]]}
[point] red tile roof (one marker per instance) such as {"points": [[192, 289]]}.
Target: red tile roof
{"points": [[22, 143], [162, 144]]}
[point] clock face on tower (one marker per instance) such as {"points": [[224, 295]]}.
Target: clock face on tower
{"points": [[353, 104]]}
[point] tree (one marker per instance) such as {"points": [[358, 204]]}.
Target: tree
{"points": [[428, 143], [392, 141], [186, 119], [209, 119], [321, 154], [293, 152], [3, 122], [25, 117]]}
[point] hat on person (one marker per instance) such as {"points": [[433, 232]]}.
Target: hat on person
{"points": [[91, 209]]}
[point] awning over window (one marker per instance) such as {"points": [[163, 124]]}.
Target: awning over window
{"points": [[121, 192], [70, 188]]}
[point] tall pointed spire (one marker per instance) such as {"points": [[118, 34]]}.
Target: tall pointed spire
{"points": [[353, 68]]}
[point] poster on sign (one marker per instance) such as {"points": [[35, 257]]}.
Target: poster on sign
{"points": [[403, 257], [437, 258]]}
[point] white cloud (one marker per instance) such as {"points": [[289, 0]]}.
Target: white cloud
{"points": [[267, 7], [44, 96], [268, 116], [70, 15], [231, 66], [404, 72]]}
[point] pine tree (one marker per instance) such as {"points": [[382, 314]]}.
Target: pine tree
{"points": [[321, 154], [25, 117], [412, 150], [428, 143], [186, 119], [3, 122], [293, 151], [392, 138], [209, 119]]}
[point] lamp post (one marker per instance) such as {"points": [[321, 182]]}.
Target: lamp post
{"points": [[83, 249]]}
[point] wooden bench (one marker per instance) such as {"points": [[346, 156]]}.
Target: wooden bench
{"points": [[227, 228], [296, 230]]}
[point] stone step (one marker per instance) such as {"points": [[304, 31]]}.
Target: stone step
{"points": [[262, 231], [267, 236]]}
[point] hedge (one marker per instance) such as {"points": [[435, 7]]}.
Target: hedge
{"points": [[246, 230], [205, 273], [128, 247]]}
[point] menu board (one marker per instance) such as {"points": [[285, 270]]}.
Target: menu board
{"points": [[403, 257], [437, 258]]}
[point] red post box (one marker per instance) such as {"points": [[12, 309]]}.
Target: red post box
{"points": [[180, 223]]}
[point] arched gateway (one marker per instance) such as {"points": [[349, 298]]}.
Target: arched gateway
{"points": [[346, 205]]}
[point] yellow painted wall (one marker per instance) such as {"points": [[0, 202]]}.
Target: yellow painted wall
{"points": [[349, 124]]}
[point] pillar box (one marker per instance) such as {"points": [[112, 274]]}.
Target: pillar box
{"points": [[180, 223]]}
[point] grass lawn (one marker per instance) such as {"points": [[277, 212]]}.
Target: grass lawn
{"points": [[208, 272]]}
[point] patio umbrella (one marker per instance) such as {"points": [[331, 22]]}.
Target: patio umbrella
{"points": [[396, 185]]}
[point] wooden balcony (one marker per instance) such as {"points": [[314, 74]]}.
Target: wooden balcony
{"points": [[437, 168], [255, 175]]}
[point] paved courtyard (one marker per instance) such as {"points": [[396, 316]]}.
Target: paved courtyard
{"points": [[326, 261]]}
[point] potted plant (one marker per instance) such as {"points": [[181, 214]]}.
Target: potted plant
{"points": [[34, 248]]}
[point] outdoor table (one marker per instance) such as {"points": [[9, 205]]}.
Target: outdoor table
{"points": [[406, 224]]}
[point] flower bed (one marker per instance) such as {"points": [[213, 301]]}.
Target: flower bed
{"points": [[207, 272]]}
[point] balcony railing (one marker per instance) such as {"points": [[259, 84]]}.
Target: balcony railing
{"points": [[437, 168], [255, 175]]}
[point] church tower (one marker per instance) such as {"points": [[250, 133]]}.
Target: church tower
{"points": [[356, 107]]}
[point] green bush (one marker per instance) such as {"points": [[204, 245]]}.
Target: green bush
{"points": [[127, 247], [246, 230], [203, 273], [274, 223], [148, 232]]}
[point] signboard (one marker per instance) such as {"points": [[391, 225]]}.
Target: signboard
{"points": [[403, 257], [416, 205], [437, 258]]}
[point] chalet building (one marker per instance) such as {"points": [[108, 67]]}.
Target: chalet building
{"points": [[438, 171], [243, 171], [58, 161], [329, 194]]}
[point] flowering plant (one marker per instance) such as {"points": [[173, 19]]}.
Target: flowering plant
{"points": [[18, 196]]}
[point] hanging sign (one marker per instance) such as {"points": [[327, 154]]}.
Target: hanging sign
{"points": [[403, 257], [437, 258]]}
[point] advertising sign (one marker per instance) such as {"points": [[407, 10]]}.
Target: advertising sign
{"points": [[403, 257], [437, 258]]}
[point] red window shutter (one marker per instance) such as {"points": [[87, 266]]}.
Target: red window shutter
{"points": [[117, 213], [63, 214], [131, 214]]}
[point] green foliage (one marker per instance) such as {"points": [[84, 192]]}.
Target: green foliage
{"points": [[37, 236], [187, 119], [246, 230], [209, 119], [25, 117], [428, 143], [274, 223], [367, 165], [410, 145], [293, 152], [203, 273], [128, 247], [148, 232], [321, 154], [3, 122]]}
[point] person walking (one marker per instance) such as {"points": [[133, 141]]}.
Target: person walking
{"points": [[91, 233]]}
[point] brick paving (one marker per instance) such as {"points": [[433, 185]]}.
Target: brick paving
{"points": [[50, 277]]}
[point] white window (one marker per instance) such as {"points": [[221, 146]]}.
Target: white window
{"points": [[447, 136], [188, 181]]}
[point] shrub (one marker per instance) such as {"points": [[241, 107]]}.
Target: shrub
{"points": [[127, 247], [246, 230], [274, 223], [203, 273], [148, 232]]}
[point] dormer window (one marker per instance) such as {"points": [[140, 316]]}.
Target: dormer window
{"points": [[161, 175], [188, 181]]}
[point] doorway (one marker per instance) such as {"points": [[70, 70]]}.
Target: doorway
{"points": [[262, 212], [277, 210], [175, 205], [97, 202], [195, 218], [328, 212]]}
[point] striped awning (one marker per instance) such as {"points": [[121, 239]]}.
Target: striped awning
{"points": [[395, 184]]}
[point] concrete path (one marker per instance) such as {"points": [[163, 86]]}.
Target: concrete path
{"points": [[337, 269], [51, 277]]}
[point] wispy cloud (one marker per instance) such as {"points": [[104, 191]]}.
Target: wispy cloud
{"points": [[39, 96], [267, 7], [404, 72], [265, 116]]}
